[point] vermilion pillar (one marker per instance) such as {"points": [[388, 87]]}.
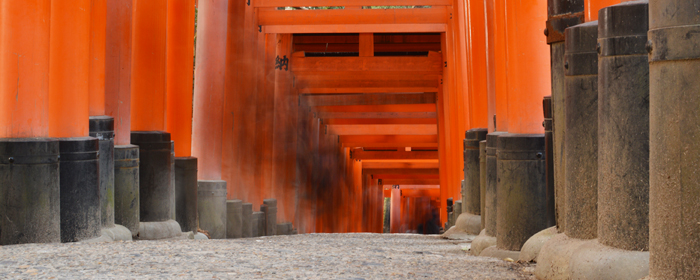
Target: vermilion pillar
{"points": [[477, 59], [591, 7], [148, 65], [69, 66], [490, 11], [500, 65], [24, 68], [118, 67], [96, 84], [395, 209], [527, 65], [179, 74], [209, 88]]}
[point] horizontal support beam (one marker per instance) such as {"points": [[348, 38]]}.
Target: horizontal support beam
{"points": [[331, 90], [400, 164], [382, 129], [274, 17], [376, 115], [408, 47], [431, 63], [367, 99], [428, 192], [354, 39], [351, 3], [380, 141], [361, 154], [405, 176], [410, 182], [378, 108], [399, 171], [380, 121], [355, 28], [419, 187]]}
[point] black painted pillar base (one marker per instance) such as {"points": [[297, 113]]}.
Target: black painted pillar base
{"points": [[126, 187], [29, 191], [156, 191], [80, 189], [102, 128], [186, 193]]}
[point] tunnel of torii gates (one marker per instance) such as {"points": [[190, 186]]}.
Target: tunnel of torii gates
{"points": [[332, 111], [328, 111]]}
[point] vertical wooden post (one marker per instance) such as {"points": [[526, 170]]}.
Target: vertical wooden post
{"points": [[490, 62], [500, 65], [209, 88], [366, 44], [69, 67], [179, 74], [286, 103], [395, 209], [24, 68], [232, 115], [477, 58], [118, 68], [96, 82]]}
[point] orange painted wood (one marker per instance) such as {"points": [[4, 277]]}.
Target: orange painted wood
{"points": [[395, 212], [379, 108], [392, 47], [264, 132], [591, 7], [69, 67], [491, 61], [379, 38], [500, 65], [366, 44], [376, 115], [402, 171], [477, 56], [382, 129], [356, 28], [330, 90], [406, 176], [179, 74], [411, 182], [367, 99], [442, 117], [419, 187], [432, 193], [118, 68], [528, 62], [381, 121], [348, 17], [209, 89], [390, 145], [362, 155], [24, 68], [399, 164], [389, 140], [148, 65], [297, 3], [96, 82], [385, 63]]}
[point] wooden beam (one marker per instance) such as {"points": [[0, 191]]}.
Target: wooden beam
{"points": [[388, 140], [367, 99], [410, 182], [366, 44], [361, 154], [406, 176], [408, 47], [380, 121], [428, 192], [382, 129], [271, 17], [431, 63], [378, 108], [419, 187], [400, 164], [399, 171], [376, 115], [355, 28], [379, 38], [320, 3], [331, 90]]}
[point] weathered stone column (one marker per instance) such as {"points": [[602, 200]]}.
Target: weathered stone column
{"points": [[29, 191], [126, 187], [186, 193], [284, 229], [102, 128], [234, 218], [247, 222], [258, 221], [270, 216], [155, 188], [211, 207], [487, 237], [471, 191], [80, 189], [674, 184], [621, 250], [581, 156], [482, 181]]}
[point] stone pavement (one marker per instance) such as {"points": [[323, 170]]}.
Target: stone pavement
{"points": [[307, 256]]}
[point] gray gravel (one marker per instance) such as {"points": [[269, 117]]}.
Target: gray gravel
{"points": [[309, 256]]}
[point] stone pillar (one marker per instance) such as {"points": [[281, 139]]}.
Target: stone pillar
{"points": [[487, 237], [29, 191], [257, 224], [211, 207], [126, 187], [549, 161], [621, 250], [172, 179], [155, 189], [102, 128], [284, 229], [560, 15], [270, 216], [234, 218], [471, 196], [582, 131], [674, 184], [520, 189], [247, 220], [482, 181], [186, 193], [80, 189]]}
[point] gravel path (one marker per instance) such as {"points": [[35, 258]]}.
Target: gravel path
{"points": [[308, 256]]}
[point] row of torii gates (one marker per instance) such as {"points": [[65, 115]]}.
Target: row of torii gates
{"points": [[330, 111]]}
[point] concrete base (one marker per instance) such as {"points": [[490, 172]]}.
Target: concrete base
{"points": [[469, 222], [455, 233], [117, 233], [158, 230], [482, 242], [199, 236], [493, 252], [553, 259], [532, 246], [593, 260]]}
